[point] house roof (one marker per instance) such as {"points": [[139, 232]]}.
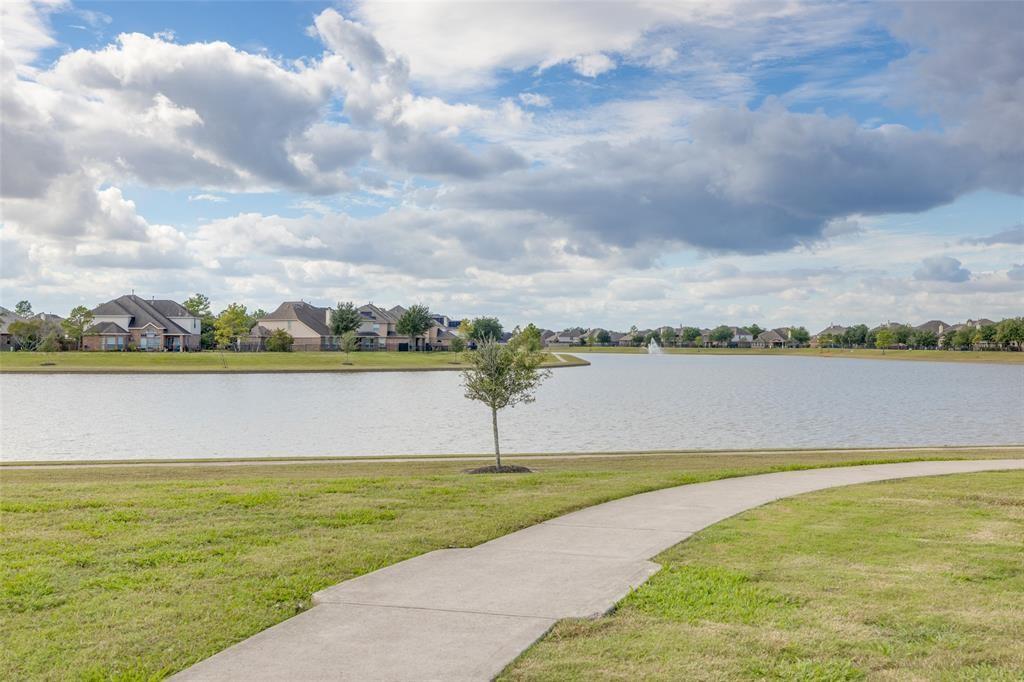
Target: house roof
{"points": [[397, 311], [771, 336], [143, 312], [308, 314], [374, 312], [833, 329], [935, 326], [6, 317], [105, 328]]}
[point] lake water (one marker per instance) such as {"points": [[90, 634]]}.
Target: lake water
{"points": [[621, 402]]}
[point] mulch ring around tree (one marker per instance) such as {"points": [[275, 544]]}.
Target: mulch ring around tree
{"points": [[503, 469]]}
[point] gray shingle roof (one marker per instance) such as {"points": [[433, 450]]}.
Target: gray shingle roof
{"points": [[105, 328], [144, 312], [308, 314]]}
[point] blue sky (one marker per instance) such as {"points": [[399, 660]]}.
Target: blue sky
{"points": [[596, 164]]}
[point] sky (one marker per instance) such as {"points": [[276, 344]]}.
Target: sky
{"points": [[583, 163]]}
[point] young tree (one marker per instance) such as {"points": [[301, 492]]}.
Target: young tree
{"points": [[963, 338], [485, 328], [78, 320], [26, 334], [349, 343], [414, 322], [691, 335], [23, 309], [345, 318], [884, 338], [280, 341], [457, 345], [721, 335], [232, 322], [199, 305], [528, 338], [1010, 332], [800, 335], [502, 376]]}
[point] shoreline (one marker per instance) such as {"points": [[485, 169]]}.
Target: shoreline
{"points": [[950, 356], [562, 359], [477, 457]]}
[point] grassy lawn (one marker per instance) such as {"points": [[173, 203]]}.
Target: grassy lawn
{"points": [[911, 580], [212, 361], [136, 572], [860, 353]]}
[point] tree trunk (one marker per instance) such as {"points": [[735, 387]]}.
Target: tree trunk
{"points": [[494, 425]]}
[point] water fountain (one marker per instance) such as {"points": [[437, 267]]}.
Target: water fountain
{"points": [[653, 348]]}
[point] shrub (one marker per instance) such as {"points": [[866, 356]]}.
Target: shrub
{"points": [[280, 341]]}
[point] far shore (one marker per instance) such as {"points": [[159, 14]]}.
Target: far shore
{"points": [[213, 362], [991, 357]]}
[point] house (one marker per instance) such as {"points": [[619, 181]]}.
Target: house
{"points": [[6, 318], [133, 322], [771, 339], [833, 331], [741, 337], [308, 324]]}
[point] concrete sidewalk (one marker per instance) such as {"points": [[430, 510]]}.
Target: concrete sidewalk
{"points": [[464, 614]]}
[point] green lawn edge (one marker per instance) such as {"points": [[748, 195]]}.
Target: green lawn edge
{"points": [[982, 357], [74, 362]]}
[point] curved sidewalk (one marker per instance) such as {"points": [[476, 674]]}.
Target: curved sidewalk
{"points": [[464, 614]]}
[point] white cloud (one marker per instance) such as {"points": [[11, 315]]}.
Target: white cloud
{"points": [[214, 198], [592, 65], [533, 99]]}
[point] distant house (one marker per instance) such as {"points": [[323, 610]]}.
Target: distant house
{"points": [[741, 337], [308, 324], [770, 339], [6, 318], [133, 322], [833, 331]]}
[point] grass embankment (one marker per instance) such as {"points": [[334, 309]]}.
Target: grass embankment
{"points": [[211, 361], [1002, 357], [136, 572], [916, 580]]}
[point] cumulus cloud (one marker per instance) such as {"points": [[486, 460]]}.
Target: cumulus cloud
{"points": [[592, 65], [942, 269]]}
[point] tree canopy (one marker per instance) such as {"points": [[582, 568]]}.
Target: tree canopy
{"points": [[78, 320], [280, 341], [345, 318], [232, 323], [414, 322], [484, 328]]}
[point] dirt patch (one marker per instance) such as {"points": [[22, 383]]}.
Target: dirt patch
{"points": [[503, 469]]}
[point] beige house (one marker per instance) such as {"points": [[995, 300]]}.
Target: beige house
{"points": [[132, 322]]}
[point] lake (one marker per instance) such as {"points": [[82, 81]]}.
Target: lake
{"points": [[620, 402]]}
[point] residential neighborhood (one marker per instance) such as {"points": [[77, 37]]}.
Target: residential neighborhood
{"points": [[135, 323]]}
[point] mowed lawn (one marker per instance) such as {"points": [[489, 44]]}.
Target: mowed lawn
{"points": [[137, 572], [213, 361], [1001, 357], [920, 579]]}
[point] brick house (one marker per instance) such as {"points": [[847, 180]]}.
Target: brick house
{"points": [[133, 322]]}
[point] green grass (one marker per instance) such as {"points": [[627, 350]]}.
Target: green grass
{"points": [[136, 572], [919, 579], [212, 361], [1002, 357]]}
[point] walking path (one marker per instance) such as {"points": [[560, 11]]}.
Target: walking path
{"points": [[464, 614]]}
